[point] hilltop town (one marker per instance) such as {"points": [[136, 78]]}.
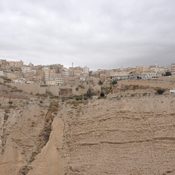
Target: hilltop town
{"points": [[57, 120], [58, 75]]}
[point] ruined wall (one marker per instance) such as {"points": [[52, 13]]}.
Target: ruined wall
{"points": [[35, 89], [30, 88], [155, 84]]}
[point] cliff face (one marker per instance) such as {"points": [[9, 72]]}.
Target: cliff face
{"points": [[127, 136]]}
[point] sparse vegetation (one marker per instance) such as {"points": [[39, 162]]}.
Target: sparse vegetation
{"points": [[6, 116], [160, 91], [53, 109], [7, 111], [89, 93], [168, 74], [78, 98], [106, 90], [25, 170], [85, 98], [81, 86], [10, 103], [133, 95], [100, 82], [114, 82], [144, 94], [15, 89]]}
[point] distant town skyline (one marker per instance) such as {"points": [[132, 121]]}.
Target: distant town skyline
{"points": [[74, 65], [98, 34]]}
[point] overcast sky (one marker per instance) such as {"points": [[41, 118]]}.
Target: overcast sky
{"points": [[95, 33]]}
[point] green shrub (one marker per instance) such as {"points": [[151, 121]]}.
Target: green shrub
{"points": [[160, 91], [10, 102], [89, 93], [144, 94], [114, 82], [78, 98], [132, 95], [100, 82], [168, 74]]}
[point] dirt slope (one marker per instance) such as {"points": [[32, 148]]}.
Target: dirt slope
{"points": [[129, 136]]}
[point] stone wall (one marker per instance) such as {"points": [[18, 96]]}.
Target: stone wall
{"points": [[151, 83], [35, 89]]}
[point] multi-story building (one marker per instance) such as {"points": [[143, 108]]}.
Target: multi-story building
{"points": [[119, 75], [149, 75], [173, 68], [50, 82], [141, 68], [86, 70], [11, 76], [59, 81], [65, 72], [46, 71], [52, 73], [17, 64], [3, 62], [25, 69]]}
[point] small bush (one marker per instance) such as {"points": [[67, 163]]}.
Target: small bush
{"points": [[78, 98], [100, 82], [160, 91], [6, 117], [10, 102], [114, 82], [144, 94], [168, 74], [132, 95], [7, 111], [81, 86], [85, 98]]}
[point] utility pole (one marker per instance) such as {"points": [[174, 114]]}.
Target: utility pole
{"points": [[72, 69]]}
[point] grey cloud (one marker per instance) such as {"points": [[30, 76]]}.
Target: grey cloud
{"points": [[98, 34]]}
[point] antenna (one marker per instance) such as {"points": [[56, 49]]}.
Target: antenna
{"points": [[72, 69], [156, 67]]}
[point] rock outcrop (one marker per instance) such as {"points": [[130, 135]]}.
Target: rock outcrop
{"points": [[127, 136]]}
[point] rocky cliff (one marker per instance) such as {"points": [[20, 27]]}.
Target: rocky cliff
{"points": [[127, 136]]}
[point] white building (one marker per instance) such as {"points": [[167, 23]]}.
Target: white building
{"points": [[25, 69], [149, 75], [86, 70], [66, 72], [1, 73], [172, 91], [59, 81], [119, 75]]}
